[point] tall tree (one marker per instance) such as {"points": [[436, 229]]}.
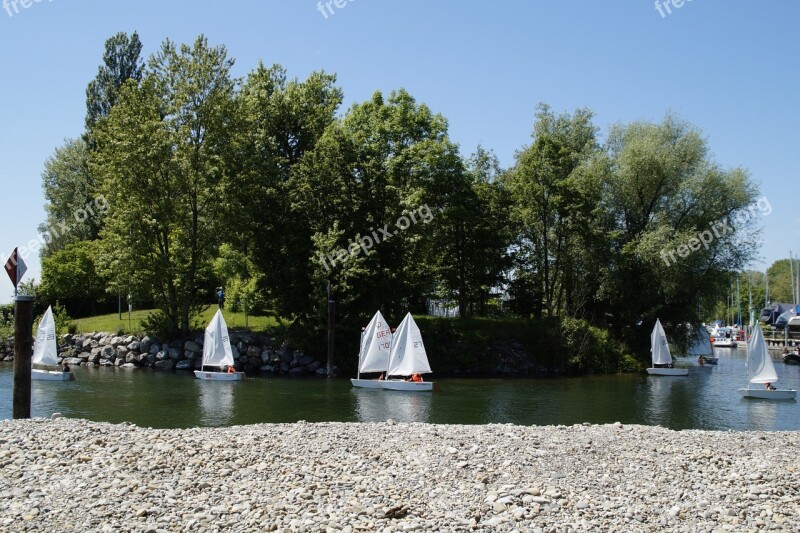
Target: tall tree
{"points": [[546, 190], [162, 154], [121, 62]]}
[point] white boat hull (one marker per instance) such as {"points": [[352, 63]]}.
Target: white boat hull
{"points": [[710, 360], [765, 394], [415, 386], [219, 376], [726, 344], [367, 383], [51, 375], [668, 371]]}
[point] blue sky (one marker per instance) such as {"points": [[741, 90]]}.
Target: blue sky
{"points": [[730, 68]]}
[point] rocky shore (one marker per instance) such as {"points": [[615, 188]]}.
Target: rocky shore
{"points": [[75, 475], [252, 353]]}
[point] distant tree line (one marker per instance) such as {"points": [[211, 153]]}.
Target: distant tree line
{"points": [[258, 184]]}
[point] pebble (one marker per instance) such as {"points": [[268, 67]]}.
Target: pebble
{"points": [[75, 475]]}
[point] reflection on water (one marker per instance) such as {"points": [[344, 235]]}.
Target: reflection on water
{"points": [[376, 405], [216, 400], [706, 399]]}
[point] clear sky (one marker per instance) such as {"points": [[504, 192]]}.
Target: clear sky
{"points": [[730, 68]]}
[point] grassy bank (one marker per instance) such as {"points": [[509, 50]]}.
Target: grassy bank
{"points": [[112, 323]]}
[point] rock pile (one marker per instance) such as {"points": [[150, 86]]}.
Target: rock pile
{"points": [[252, 353], [74, 475]]}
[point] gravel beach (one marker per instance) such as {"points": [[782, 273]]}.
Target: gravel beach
{"points": [[75, 475]]}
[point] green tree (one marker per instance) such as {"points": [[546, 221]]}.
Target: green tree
{"points": [[281, 120], [70, 276], [546, 185], [162, 155], [663, 192], [780, 281], [121, 62]]}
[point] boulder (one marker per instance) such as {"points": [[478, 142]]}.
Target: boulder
{"points": [[116, 341], [322, 371], [188, 354], [304, 360], [254, 361], [143, 358], [134, 346], [313, 366], [235, 352], [285, 367], [128, 365], [165, 364], [154, 348], [175, 353], [122, 351], [186, 364], [73, 361], [253, 351], [160, 356], [105, 340], [192, 346], [131, 358], [87, 344], [105, 362], [268, 369], [107, 352], [298, 370], [84, 356], [266, 356]]}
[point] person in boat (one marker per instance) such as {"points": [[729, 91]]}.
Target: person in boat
{"points": [[231, 370], [64, 367], [769, 386], [381, 377], [700, 360], [416, 378]]}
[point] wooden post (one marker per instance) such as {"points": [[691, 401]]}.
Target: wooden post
{"points": [[331, 326], [23, 351]]}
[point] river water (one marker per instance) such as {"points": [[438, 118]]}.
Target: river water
{"points": [[706, 399]]}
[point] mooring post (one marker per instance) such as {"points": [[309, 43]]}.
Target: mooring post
{"points": [[23, 350], [331, 326]]}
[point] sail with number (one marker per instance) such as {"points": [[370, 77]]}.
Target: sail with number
{"points": [[217, 346], [408, 352], [375, 345], [658, 345], [759, 363], [45, 351]]}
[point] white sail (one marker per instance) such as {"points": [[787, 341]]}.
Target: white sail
{"points": [[217, 345], [408, 353], [701, 343], [375, 345], [658, 345], [759, 364], [45, 352]]}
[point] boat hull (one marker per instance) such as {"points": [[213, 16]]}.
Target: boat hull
{"points": [[668, 371], [791, 359], [367, 383], [765, 394], [51, 375], [414, 386], [710, 360], [219, 376], [727, 343]]}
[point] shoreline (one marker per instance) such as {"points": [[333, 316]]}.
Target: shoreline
{"points": [[76, 475]]}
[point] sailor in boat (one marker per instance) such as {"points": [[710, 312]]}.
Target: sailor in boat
{"points": [[65, 367], [769, 386], [416, 378], [381, 377], [231, 370]]}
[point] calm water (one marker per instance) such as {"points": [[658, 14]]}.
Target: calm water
{"points": [[707, 399]]}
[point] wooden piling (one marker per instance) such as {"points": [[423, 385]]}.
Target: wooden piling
{"points": [[23, 351]]}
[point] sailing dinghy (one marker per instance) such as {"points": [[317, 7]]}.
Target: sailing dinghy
{"points": [[701, 347], [407, 357], [45, 352], [760, 371], [660, 353], [376, 342], [217, 352]]}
